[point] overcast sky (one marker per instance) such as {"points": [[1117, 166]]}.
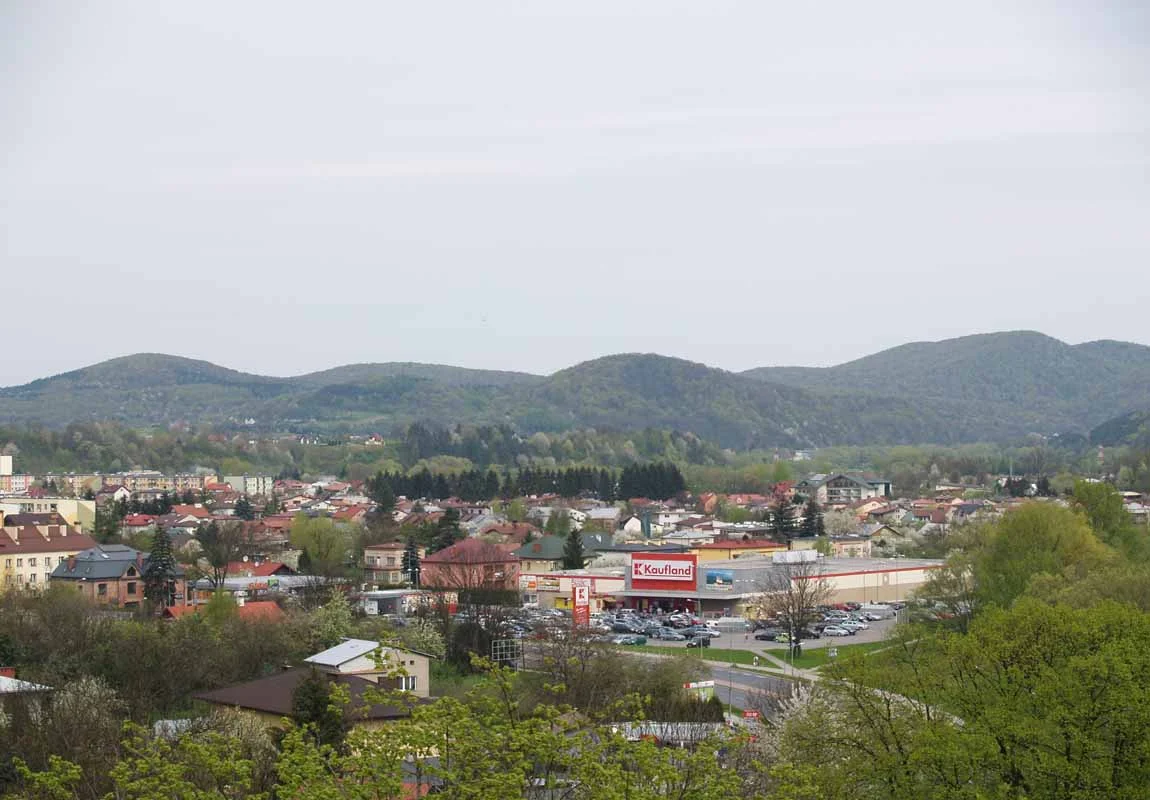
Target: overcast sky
{"points": [[284, 187]]}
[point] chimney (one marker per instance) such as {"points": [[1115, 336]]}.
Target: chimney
{"points": [[71, 563], [7, 672], [139, 561]]}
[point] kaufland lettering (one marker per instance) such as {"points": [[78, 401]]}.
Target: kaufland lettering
{"points": [[663, 570]]}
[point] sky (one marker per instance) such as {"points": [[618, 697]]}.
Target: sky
{"points": [[282, 187]]}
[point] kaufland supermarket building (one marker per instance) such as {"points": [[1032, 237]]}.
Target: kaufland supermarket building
{"points": [[678, 581]]}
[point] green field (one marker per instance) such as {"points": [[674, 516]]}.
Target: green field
{"points": [[814, 658], [705, 653]]}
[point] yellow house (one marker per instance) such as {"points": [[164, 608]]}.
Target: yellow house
{"points": [[732, 549]]}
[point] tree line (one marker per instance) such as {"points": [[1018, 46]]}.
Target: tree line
{"points": [[656, 481]]}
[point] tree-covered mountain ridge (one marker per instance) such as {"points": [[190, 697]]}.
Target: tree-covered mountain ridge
{"points": [[977, 388]]}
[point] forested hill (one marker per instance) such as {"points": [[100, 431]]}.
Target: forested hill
{"points": [[1030, 381], [996, 387], [1130, 428]]}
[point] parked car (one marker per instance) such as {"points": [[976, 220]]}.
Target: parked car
{"points": [[630, 639], [854, 625], [767, 634], [835, 630], [668, 635], [699, 641]]}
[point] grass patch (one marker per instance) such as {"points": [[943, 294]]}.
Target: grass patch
{"points": [[447, 681], [703, 653], [817, 657]]}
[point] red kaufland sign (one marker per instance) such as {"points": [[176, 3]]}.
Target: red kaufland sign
{"points": [[663, 571]]}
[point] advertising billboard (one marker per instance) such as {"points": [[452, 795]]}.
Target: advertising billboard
{"points": [[720, 580], [581, 603], [663, 571]]}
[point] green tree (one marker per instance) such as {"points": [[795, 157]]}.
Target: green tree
{"points": [[326, 544], [573, 555], [220, 545], [812, 524], [331, 623], [447, 530], [410, 563], [1107, 515], [558, 522], [244, 509], [318, 710], [1035, 539], [160, 571]]}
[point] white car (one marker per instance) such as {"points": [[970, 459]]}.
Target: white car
{"points": [[854, 625], [835, 630]]}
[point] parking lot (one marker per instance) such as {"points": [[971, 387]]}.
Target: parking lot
{"points": [[746, 641]]}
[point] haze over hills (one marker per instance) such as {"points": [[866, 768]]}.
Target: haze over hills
{"points": [[976, 388]]}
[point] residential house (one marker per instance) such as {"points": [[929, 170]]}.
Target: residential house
{"points": [[471, 564], [32, 545], [257, 569], [509, 532], [113, 575], [546, 553], [851, 546], [383, 563], [359, 666]]}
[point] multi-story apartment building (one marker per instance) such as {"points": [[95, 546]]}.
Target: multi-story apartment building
{"points": [[33, 545], [252, 485], [77, 512]]}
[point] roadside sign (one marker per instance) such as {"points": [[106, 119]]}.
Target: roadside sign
{"points": [[750, 713]]}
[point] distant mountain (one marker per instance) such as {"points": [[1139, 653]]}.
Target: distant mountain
{"points": [[977, 388], [1022, 381], [440, 373], [1130, 428]]}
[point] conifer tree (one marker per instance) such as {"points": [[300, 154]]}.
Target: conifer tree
{"points": [[160, 571], [410, 561], [812, 519], [573, 555]]}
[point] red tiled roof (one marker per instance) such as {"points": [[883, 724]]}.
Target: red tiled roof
{"points": [[472, 551], [262, 570], [191, 511], [266, 610], [138, 520]]}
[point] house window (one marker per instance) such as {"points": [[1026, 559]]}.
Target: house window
{"points": [[31, 562], [8, 562], [131, 587], [47, 561], [407, 683], [19, 562], [102, 589], [391, 561], [32, 578]]}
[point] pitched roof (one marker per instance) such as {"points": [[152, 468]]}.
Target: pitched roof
{"points": [[262, 570], [103, 562], [472, 551], [343, 652], [550, 548], [273, 695], [25, 534]]}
